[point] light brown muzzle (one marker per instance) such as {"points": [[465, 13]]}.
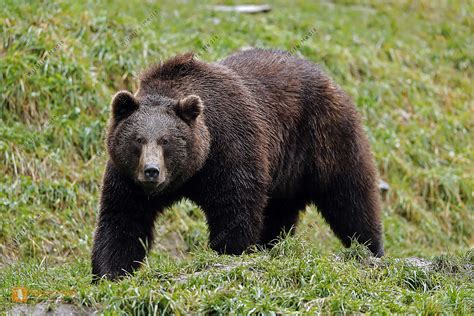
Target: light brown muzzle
{"points": [[151, 169]]}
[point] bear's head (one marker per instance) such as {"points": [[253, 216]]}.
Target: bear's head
{"points": [[156, 141]]}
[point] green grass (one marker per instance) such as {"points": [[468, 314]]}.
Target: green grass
{"points": [[408, 66]]}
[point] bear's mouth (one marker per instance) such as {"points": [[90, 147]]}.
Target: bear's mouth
{"points": [[152, 187]]}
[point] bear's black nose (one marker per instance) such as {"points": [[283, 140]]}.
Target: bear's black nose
{"points": [[151, 172]]}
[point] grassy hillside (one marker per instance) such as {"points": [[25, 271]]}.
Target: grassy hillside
{"points": [[408, 66]]}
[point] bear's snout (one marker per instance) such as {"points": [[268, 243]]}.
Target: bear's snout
{"points": [[151, 173]]}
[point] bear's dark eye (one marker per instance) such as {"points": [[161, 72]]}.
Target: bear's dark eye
{"points": [[164, 141], [139, 140]]}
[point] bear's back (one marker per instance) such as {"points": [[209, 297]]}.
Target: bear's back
{"points": [[310, 116]]}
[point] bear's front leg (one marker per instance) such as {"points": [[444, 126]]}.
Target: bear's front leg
{"points": [[124, 230], [233, 229], [235, 218], [120, 244]]}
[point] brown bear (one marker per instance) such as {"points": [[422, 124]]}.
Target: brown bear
{"points": [[251, 139]]}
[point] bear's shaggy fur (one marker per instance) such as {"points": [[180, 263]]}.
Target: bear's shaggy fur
{"points": [[251, 139]]}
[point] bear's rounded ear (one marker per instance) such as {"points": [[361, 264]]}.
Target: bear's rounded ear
{"points": [[123, 104], [189, 108]]}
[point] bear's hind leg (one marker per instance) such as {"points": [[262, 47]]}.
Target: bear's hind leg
{"points": [[352, 209], [281, 216]]}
